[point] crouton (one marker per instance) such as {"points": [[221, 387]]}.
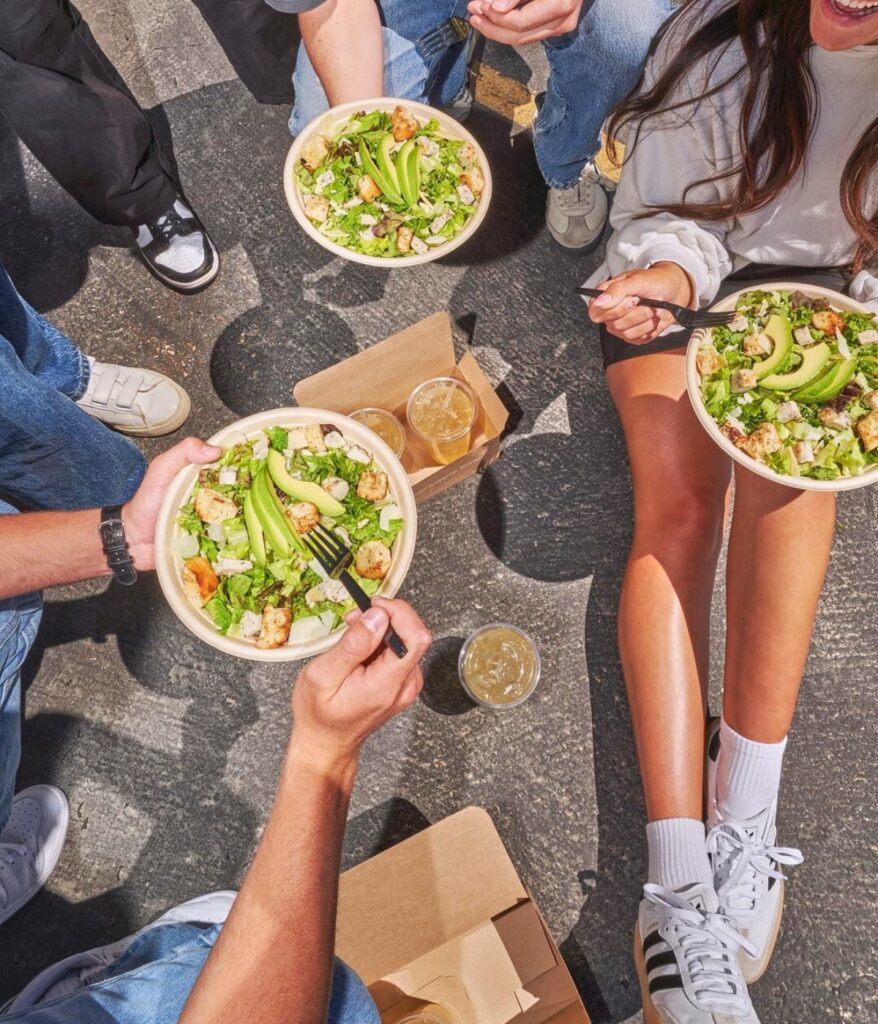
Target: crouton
{"points": [[764, 440], [788, 411], [404, 125], [316, 208], [373, 560], [757, 344], [314, 438], [744, 380], [314, 152], [213, 507], [275, 631], [827, 321], [867, 428], [199, 580], [372, 486], [467, 155], [871, 399], [833, 418], [367, 190], [337, 487], [803, 452], [303, 516], [474, 180], [732, 430], [404, 236], [709, 361]]}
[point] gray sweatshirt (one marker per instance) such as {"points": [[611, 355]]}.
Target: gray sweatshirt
{"points": [[804, 226]]}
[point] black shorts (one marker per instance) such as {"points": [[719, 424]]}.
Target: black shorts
{"points": [[752, 276]]}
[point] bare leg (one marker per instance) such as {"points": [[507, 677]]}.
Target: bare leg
{"points": [[778, 553], [681, 482]]}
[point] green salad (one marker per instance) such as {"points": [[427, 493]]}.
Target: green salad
{"points": [[793, 382], [240, 549], [385, 185]]}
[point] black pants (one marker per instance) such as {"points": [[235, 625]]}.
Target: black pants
{"points": [[752, 276], [74, 112]]}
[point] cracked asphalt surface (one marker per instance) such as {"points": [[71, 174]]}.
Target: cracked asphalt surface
{"points": [[169, 750]]}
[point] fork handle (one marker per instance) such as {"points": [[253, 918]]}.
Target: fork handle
{"points": [[672, 307], [364, 603]]}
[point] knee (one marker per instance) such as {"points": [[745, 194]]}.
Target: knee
{"points": [[680, 524]]}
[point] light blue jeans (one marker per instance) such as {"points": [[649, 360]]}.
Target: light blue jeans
{"points": [[151, 981], [52, 455], [590, 71]]}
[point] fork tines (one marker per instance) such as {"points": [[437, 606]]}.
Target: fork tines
{"points": [[329, 550], [441, 38]]}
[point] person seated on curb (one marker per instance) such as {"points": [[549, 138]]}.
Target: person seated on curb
{"points": [[63, 547], [267, 954], [357, 49]]}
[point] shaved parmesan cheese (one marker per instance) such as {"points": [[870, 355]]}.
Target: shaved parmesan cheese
{"points": [[842, 344], [186, 545], [388, 514], [313, 627]]}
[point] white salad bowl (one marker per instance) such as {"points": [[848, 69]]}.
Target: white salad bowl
{"points": [[693, 383], [325, 125], [168, 565]]}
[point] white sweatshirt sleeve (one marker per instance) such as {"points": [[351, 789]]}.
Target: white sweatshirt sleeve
{"points": [[864, 288], [672, 152]]}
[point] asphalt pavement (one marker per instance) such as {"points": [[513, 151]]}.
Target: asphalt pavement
{"points": [[169, 751]]}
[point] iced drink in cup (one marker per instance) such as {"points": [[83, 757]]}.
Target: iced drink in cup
{"points": [[442, 412], [499, 666], [385, 425], [432, 1014]]}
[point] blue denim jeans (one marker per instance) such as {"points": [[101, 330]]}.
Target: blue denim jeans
{"points": [[590, 71], [151, 981], [52, 455]]}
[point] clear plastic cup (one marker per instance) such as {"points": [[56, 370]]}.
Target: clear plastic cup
{"points": [[385, 425], [432, 1014], [499, 666], [442, 412]]}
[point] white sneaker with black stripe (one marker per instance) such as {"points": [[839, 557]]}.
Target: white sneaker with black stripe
{"points": [[686, 953], [177, 249], [746, 863]]}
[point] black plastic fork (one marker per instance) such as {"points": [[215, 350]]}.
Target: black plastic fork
{"points": [[335, 558], [689, 318], [441, 38]]}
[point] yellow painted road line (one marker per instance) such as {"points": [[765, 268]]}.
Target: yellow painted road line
{"points": [[514, 101]]}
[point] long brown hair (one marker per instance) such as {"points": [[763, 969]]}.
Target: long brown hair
{"points": [[779, 105]]}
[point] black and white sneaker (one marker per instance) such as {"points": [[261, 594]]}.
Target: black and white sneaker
{"points": [[177, 250], [747, 869], [686, 953]]}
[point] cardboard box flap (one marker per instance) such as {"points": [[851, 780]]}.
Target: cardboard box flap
{"points": [[438, 885], [393, 369]]}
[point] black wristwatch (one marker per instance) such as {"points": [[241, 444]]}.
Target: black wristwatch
{"points": [[116, 547]]}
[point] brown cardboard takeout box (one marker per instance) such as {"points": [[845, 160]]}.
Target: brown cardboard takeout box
{"points": [[384, 376], [444, 918]]}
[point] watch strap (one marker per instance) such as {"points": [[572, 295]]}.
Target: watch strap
{"points": [[116, 547]]}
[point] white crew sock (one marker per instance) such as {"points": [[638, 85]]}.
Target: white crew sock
{"points": [[677, 853], [748, 773]]}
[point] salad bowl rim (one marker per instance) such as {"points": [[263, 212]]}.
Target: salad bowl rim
{"points": [[693, 387], [450, 129], [177, 494]]}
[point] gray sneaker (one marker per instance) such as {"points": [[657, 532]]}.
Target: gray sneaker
{"points": [[576, 216]]}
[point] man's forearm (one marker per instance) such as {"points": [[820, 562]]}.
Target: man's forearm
{"points": [[45, 549], [273, 959], [343, 39]]}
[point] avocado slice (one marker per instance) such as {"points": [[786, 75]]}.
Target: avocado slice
{"points": [[302, 490], [780, 331], [814, 361], [271, 518], [386, 164], [254, 529], [828, 384], [371, 168], [407, 172]]}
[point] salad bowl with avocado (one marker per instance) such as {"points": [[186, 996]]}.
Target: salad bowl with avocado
{"points": [[387, 181], [789, 388], [230, 553]]}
